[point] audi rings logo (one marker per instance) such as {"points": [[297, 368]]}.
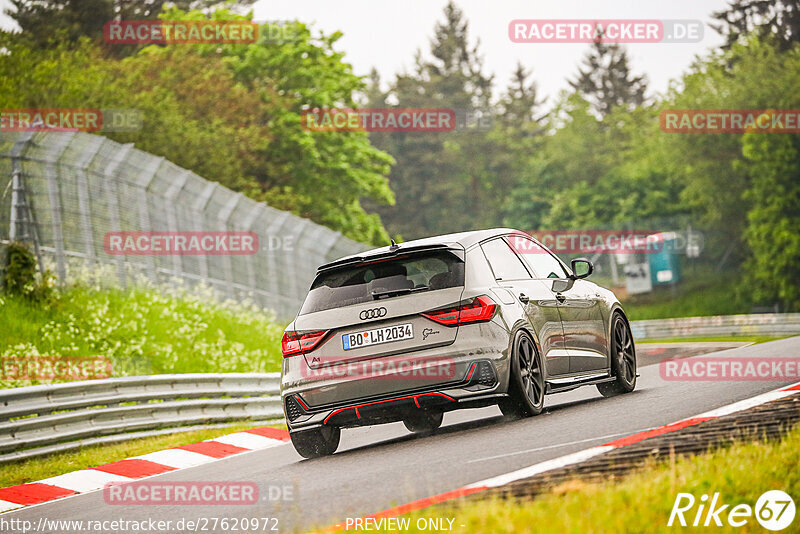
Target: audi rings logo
{"points": [[374, 313]]}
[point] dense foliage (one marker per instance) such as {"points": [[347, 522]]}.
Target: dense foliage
{"points": [[229, 112]]}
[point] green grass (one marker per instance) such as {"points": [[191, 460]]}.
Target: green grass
{"points": [[142, 331], [641, 502], [700, 293], [34, 469]]}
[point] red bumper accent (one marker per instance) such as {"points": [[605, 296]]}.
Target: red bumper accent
{"points": [[413, 397]]}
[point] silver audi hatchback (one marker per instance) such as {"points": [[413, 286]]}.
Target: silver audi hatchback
{"points": [[410, 331]]}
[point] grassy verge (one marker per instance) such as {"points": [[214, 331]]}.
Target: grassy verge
{"points": [[641, 502], [708, 339], [35, 469], [699, 294], [142, 331]]}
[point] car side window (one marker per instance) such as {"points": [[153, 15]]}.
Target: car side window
{"points": [[504, 263], [539, 259]]}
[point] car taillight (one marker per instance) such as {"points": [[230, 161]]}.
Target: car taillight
{"points": [[294, 343], [477, 310]]}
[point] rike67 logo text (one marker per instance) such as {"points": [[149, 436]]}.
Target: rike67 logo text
{"points": [[774, 510]]}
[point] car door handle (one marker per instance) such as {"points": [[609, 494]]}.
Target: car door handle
{"points": [[523, 298], [560, 297]]}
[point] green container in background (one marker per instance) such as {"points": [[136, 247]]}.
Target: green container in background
{"points": [[664, 265]]}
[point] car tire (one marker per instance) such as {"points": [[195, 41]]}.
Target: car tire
{"points": [[317, 442], [526, 381], [423, 422], [623, 360]]}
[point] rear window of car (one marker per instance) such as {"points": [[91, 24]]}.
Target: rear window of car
{"points": [[366, 282]]}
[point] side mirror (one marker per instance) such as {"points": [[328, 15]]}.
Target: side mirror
{"points": [[582, 268]]}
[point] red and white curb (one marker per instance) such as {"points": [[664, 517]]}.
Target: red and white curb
{"points": [[154, 463], [580, 456]]}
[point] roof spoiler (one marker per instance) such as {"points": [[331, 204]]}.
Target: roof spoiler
{"points": [[392, 252]]}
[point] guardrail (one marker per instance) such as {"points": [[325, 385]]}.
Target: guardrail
{"points": [[39, 420], [757, 324]]}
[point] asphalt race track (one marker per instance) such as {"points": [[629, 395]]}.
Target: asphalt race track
{"points": [[379, 467]]}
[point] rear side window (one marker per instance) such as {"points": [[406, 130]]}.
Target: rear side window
{"points": [[506, 265], [424, 271]]}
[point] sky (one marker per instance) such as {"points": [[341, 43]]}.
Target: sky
{"points": [[386, 34]]}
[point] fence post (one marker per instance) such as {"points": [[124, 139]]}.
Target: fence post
{"points": [[112, 200], [23, 221], [199, 207], [224, 216], [295, 282], [249, 220], [16, 200], [277, 264], [170, 195], [84, 199], [144, 182], [54, 196]]}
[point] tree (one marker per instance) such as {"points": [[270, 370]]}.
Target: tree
{"points": [[774, 20], [374, 96], [320, 175], [230, 113], [773, 231], [521, 102], [455, 71], [442, 179], [44, 21], [606, 80]]}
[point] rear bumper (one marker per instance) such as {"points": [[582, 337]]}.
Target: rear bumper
{"points": [[481, 387], [384, 389]]}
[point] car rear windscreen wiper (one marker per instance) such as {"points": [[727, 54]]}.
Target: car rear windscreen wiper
{"points": [[395, 292]]}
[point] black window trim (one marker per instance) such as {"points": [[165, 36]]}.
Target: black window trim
{"points": [[530, 269], [524, 264]]}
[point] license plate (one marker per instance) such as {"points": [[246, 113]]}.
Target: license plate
{"points": [[386, 334]]}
